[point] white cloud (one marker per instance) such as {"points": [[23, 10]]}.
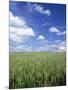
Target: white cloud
{"points": [[57, 31], [61, 33], [24, 48], [41, 10], [54, 29], [40, 37], [57, 41], [63, 43], [25, 32], [16, 21], [62, 48], [22, 31], [38, 8], [15, 37], [59, 47], [19, 28]]}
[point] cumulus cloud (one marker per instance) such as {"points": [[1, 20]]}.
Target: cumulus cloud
{"points": [[57, 31], [61, 33], [40, 37], [38, 8], [15, 37], [54, 29], [41, 10], [19, 28], [16, 21], [22, 31], [60, 46]]}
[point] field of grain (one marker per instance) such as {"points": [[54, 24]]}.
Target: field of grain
{"points": [[37, 69]]}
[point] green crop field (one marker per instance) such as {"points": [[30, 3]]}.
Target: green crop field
{"points": [[37, 69]]}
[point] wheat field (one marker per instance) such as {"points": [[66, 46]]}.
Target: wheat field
{"points": [[37, 69]]}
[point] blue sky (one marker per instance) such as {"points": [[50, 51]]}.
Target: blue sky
{"points": [[37, 27]]}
